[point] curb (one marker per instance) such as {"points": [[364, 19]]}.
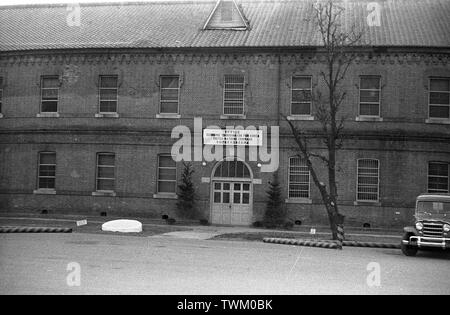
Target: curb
{"points": [[287, 241], [20, 229], [328, 243]]}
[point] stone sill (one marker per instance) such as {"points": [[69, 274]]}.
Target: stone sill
{"points": [[104, 193], [300, 117], [165, 196], [367, 203], [442, 121], [368, 118], [48, 115], [233, 116], [299, 200], [168, 116], [43, 191], [107, 115]]}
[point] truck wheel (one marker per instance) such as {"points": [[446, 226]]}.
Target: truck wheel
{"points": [[408, 250]]}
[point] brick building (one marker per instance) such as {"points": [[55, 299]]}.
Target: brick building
{"points": [[90, 95]]}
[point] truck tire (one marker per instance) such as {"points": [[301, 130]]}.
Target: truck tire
{"points": [[409, 250]]}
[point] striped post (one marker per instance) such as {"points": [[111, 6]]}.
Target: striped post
{"points": [[340, 235]]}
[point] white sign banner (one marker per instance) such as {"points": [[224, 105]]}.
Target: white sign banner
{"points": [[82, 222], [232, 137]]}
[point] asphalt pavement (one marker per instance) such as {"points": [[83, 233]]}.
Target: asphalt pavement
{"points": [[82, 263]]}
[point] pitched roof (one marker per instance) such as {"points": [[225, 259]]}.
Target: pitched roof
{"points": [[179, 24]]}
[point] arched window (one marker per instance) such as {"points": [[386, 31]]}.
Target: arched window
{"points": [[234, 169]]}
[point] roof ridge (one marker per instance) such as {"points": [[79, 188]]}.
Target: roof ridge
{"points": [[109, 3]]}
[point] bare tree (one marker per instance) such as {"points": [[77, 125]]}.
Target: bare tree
{"points": [[337, 42]]}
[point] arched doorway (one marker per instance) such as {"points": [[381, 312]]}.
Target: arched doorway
{"points": [[231, 193]]}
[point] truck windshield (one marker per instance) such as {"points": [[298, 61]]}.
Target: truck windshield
{"points": [[433, 207]]}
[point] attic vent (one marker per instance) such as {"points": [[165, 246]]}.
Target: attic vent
{"points": [[226, 15], [226, 11]]}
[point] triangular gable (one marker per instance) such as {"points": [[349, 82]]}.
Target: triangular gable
{"points": [[226, 15]]}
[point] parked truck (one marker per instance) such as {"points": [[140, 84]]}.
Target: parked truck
{"points": [[432, 225]]}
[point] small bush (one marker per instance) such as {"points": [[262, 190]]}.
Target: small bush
{"points": [[275, 214], [171, 221], [165, 217], [257, 224], [288, 225], [204, 222]]}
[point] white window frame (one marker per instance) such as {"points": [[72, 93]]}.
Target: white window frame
{"points": [[161, 101], [105, 178], [369, 185], [301, 183], [379, 96], [429, 99], [292, 93], [39, 170], [107, 88], [447, 177], [166, 180], [43, 77], [233, 90]]}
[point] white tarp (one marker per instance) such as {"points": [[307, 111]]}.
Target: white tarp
{"points": [[124, 226]]}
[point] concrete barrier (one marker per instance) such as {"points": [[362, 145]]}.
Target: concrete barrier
{"points": [[309, 243], [21, 229], [328, 243]]}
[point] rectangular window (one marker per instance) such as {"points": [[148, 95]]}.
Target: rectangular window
{"points": [[47, 170], [169, 94], [368, 180], [298, 178], [439, 98], [233, 95], [105, 172], [369, 96], [167, 174], [108, 93], [438, 177], [301, 94], [49, 94]]}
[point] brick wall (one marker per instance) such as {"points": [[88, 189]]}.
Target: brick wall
{"points": [[402, 142]]}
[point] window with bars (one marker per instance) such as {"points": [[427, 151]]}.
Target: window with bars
{"points": [[301, 95], [105, 172], [47, 170], [167, 174], [108, 93], [233, 95], [439, 98], [49, 94], [369, 96], [368, 180], [169, 94], [299, 178], [438, 177], [234, 169]]}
